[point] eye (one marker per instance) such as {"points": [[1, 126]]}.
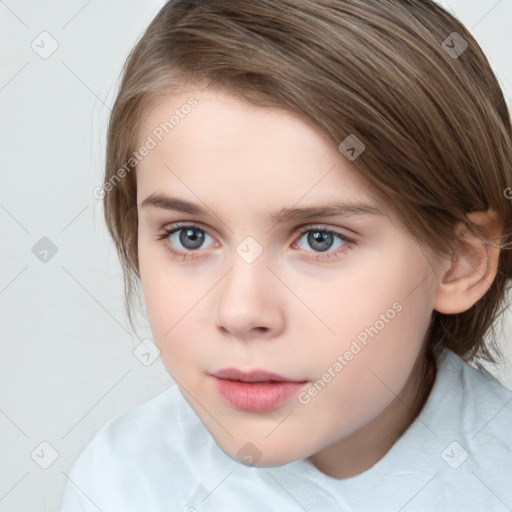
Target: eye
{"points": [[321, 239], [189, 236]]}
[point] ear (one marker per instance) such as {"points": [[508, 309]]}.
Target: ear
{"points": [[473, 265]]}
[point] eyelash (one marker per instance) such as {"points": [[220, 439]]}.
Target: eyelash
{"points": [[327, 256]]}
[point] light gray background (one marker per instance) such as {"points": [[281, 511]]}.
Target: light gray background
{"points": [[67, 364]]}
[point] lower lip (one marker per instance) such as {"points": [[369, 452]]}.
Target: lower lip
{"points": [[256, 396]]}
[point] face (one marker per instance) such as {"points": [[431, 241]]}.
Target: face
{"points": [[247, 276]]}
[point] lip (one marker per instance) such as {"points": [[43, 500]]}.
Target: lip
{"points": [[255, 391], [252, 376]]}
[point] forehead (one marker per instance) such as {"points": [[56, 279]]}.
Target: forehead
{"points": [[200, 110], [233, 141]]}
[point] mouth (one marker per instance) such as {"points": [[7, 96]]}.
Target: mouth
{"points": [[252, 376], [255, 391]]}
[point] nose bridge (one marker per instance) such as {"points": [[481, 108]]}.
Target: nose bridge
{"points": [[248, 269], [247, 297]]}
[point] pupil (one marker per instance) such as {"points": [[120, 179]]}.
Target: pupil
{"points": [[324, 240], [191, 235]]}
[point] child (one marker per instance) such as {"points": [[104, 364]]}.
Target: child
{"points": [[341, 169]]}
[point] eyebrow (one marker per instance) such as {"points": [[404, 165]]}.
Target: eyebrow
{"points": [[342, 209]]}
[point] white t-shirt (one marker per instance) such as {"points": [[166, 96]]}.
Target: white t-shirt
{"points": [[456, 456]]}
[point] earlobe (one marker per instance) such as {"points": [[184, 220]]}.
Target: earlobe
{"points": [[473, 265]]}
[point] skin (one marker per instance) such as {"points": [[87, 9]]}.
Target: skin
{"points": [[286, 312]]}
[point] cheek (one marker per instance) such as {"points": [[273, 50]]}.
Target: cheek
{"points": [[167, 307], [167, 301], [173, 303], [368, 365], [375, 299], [164, 294], [161, 282]]}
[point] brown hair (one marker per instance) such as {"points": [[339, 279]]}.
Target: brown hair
{"points": [[437, 134]]}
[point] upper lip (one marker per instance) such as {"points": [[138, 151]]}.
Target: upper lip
{"points": [[251, 376]]}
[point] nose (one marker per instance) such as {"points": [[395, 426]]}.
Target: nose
{"points": [[248, 301]]}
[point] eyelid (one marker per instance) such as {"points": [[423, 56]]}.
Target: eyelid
{"points": [[326, 228], [176, 226]]}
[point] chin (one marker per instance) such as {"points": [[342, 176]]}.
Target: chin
{"points": [[249, 454]]}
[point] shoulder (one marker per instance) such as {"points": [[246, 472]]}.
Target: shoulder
{"points": [[478, 415], [155, 426], [461, 443], [146, 455], [483, 401]]}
